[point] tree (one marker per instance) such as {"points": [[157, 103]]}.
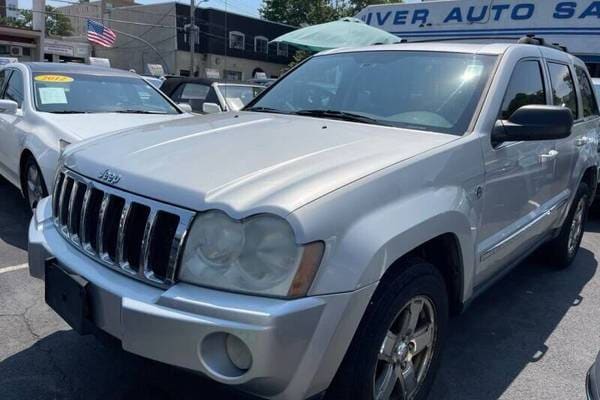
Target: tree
{"points": [[310, 12], [57, 24]]}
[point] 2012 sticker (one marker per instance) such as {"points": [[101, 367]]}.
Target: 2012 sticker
{"points": [[54, 78]]}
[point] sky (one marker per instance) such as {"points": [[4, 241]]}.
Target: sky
{"points": [[248, 7]]}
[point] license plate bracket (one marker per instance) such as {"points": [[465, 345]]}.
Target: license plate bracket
{"points": [[67, 295]]}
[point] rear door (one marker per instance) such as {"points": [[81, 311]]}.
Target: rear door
{"points": [[565, 79]]}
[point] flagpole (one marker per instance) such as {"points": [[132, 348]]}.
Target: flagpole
{"points": [[146, 43]]}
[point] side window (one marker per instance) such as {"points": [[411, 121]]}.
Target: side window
{"points": [[3, 75], [563, 87], [526, 87], [590, 107], [14, 90], [193, 91]]}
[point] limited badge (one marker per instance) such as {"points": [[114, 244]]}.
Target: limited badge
{"points": [[53, 78]]}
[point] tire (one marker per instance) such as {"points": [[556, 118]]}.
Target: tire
{"points": [[31, 172], [378, 352], [562, 250]]}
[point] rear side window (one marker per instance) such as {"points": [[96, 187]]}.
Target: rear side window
{"points": [[15, 90], [590, 107], [194, 91], [563, 87], [526, 87]]}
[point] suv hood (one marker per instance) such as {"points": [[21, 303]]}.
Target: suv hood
{"points": [[245, 163], [85, 126]]}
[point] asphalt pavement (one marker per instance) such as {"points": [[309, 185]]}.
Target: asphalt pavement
{"points": [[533, 335]]}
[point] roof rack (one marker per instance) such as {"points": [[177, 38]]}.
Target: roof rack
{"points": [[538, 41]]}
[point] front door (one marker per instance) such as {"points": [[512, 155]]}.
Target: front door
{"points": [[519, 187]]}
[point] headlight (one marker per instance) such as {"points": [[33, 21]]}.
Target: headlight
{"points": [[257, 255]]}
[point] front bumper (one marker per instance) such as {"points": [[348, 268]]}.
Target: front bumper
{"points": [[295, 345]]}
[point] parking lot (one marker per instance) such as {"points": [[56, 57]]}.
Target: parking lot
{"points": [[532, 336]]}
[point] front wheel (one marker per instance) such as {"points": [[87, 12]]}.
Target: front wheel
{"points": [[395, 351], [34, 187], [563, 249]]}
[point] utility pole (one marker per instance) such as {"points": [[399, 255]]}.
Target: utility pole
{"points": [[38, 16], [192, 36]]}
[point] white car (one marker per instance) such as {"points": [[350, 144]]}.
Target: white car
{"points": [[44, 107]]}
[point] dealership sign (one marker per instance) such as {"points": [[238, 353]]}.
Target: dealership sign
{"points": [[456, 18]]}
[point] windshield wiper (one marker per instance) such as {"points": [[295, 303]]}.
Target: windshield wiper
{"points": [[266, 110], [342, 115], [136, 112], [69, 112]]}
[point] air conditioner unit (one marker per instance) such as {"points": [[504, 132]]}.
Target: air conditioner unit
{"points": [[16, 51]]}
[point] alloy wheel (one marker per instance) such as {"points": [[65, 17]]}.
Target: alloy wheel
{"points": [[406, 352], [576, 230], [35, 188]]}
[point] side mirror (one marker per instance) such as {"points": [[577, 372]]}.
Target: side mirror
{"points": [[185, 107], [8, 107], [211, 108], [534, 122]]}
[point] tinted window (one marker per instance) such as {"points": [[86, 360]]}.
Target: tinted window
{"points": [[14, 89], [82, 93], [563, 87], [587, 93], [526, 87], [421, 90], [194, 91], [3, 75]]}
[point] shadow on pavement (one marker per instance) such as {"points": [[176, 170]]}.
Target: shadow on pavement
{"points": [[65, 365], [15, 216], [507, 327]]}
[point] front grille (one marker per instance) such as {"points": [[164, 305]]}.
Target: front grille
{"points": [[136, 236]]}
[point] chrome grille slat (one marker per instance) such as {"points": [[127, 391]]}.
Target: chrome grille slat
{"points": [[150, 224], [176, 247], [72, 233], [98, 207], [61, 201], [120, 259], [100, 231], [82, 224]]}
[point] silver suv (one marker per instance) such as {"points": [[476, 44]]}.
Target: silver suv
{"points": [[319, 240]]}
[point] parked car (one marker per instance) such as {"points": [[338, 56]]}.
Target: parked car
{"points": [[596, 82], [266, 82], [319, 239], [208, 96], [44, 107], [154, 81], [593, 381]]}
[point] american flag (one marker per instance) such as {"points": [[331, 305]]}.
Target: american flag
{"points": [[100, 34]]}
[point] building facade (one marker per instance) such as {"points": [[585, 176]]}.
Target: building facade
{"points": [[79, 13], [228, 45]]}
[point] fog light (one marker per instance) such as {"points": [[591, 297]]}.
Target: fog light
{"points": [[238, 353]]}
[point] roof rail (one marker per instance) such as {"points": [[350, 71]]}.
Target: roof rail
{"points": [[538, 41]]}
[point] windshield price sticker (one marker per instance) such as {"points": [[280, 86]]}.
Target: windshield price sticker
{"points": [[54, 78], [52, 95]]}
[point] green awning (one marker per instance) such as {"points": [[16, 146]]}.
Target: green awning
{"points": [[346, 32]]}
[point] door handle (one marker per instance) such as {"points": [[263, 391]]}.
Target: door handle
{"points": [[551, 155], [582, 141]]}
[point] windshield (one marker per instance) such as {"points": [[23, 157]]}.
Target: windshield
{"points": [[237, 96], [431, 91], [81, 93]]}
